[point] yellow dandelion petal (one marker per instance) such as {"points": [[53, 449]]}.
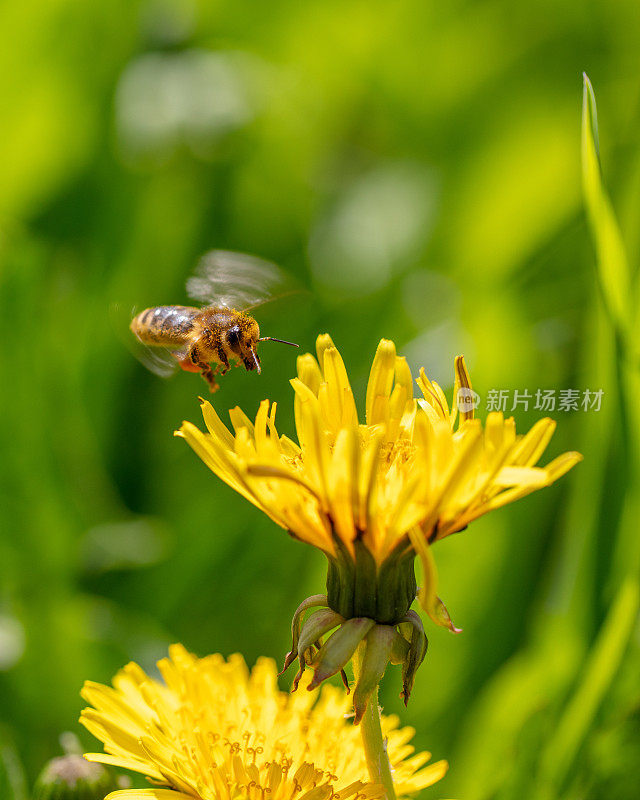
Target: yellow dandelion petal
{"points": [[323, 343], [216, 731], [543, 477], [522, 476], [146, 794], [122, 762], [435, 401], [428, 591], [309, 372], [367, 483], [244, 447], [562, 464], [240, 420], [429, 776], [462, 382], [308, 424], [265, 447], [403, 406], [496, 439], [289, 448], [216, 426], [403, 376], [340, 397], [529, 449], [213, 452], [380, 383], [343, 489]]}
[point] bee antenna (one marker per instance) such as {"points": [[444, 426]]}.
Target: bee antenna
{"points": [[282, 341]]}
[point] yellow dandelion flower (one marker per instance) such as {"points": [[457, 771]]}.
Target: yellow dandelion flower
{"points": [[372, 495], [384, 489], [215, 731]]}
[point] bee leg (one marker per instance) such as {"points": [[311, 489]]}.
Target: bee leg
{"points": [[201, 366], [209, 376], [222, 358]]}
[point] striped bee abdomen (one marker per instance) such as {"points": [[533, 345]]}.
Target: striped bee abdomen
{"points": [[164, 325]]}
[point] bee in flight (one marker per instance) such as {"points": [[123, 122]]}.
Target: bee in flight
{"points": [[208, 338]]}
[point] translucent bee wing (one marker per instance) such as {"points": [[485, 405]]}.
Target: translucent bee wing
{"points": [[160, 360], [236, 280]]}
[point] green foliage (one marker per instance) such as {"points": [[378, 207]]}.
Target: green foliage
{"points": [[416, 167], [601, 667], [613, 269]]}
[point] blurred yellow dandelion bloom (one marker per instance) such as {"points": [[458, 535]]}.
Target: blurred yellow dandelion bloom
{"points": [[215, 731], [372, 495]]}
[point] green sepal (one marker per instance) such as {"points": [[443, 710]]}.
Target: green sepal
{"points": [[358, 587], [379, 646], [341, 580], [408, 587], [339, 648], [387, 577], [416, 654], [439, 614], [397, 586], [365, 580], [315, 626], [400, 649], [296, 622]]}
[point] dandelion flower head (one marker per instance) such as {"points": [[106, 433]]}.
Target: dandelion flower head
{"points": [[213, 730], [389, 487]]}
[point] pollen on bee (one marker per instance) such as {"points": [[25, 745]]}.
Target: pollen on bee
{"points": [[187, 364]]}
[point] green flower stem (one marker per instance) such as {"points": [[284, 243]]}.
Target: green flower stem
{"points": [[374, 745]]}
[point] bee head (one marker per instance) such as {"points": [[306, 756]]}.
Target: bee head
{"points": [[242, 341]]}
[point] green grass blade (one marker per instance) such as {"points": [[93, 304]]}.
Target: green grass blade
{"points": [[613, 267], [12, 779], [600, 670]]}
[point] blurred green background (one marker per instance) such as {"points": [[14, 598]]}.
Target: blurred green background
{"points": [[416, 166]]}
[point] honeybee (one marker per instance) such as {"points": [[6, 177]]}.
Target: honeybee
{"points": [[208, 339]]}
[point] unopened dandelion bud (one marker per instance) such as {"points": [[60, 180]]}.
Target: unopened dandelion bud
{"points": [[379, 645], [72, 777], [339, 648]]}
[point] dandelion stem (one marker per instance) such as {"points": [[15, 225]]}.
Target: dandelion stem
{"points": [[375, 747]]}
